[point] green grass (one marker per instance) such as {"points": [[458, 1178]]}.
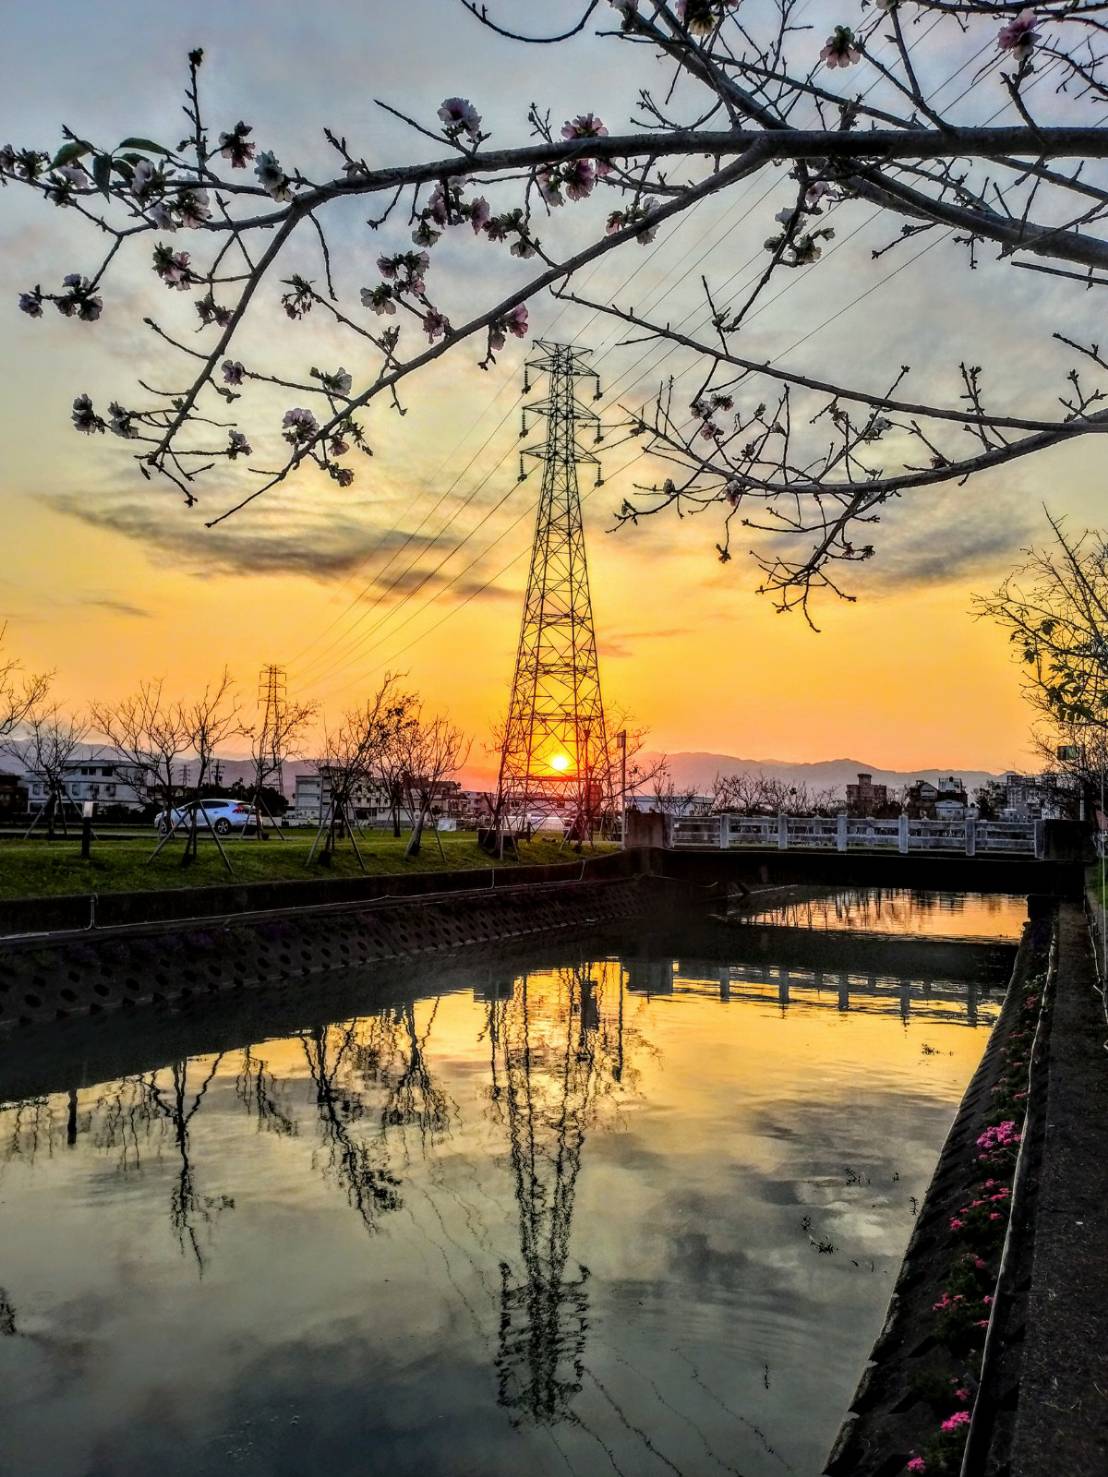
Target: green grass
{"points": [[41, 869]]}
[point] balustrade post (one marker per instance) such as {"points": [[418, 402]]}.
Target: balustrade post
{"points": [[782, 831], [971, 836], [902, 833], [724, 832], [840, 833]]}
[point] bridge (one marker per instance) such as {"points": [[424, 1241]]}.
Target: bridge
{"points": [[970, 837], [1023, 858]]}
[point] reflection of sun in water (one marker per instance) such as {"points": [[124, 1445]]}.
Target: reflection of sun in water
{"points": [[560, 762]]}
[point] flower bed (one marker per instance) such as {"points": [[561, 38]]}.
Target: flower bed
{"points": [[974, 1237]]}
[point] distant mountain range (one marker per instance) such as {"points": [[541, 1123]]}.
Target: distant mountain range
{"points": [[698, 770], [690, 770]]}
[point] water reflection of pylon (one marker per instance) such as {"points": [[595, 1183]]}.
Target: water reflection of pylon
{"points": [[555, 1053]]}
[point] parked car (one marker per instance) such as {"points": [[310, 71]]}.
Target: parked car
{"points": [[223, 816]]}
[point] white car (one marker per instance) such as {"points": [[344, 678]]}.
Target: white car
{"points": [[223, 816]]}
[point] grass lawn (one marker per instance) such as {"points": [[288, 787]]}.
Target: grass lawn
{"points": [[41, 868]]}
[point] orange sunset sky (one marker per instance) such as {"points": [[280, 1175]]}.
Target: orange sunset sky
{"points": [[108, 579]]}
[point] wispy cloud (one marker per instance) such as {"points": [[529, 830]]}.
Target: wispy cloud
{"points": [[116, 607]]}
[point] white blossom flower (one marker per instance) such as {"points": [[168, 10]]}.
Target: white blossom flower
{"points": [[272, 178], [162, 216]]}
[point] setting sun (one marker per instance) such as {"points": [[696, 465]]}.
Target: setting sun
{"points": [[560, 762]]}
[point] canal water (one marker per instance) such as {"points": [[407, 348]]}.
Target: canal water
{"points": [[602, 1211]]}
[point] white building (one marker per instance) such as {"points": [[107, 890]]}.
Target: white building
{"points": [[98, 776], [369, 801]]}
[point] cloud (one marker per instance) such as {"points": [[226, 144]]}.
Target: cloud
{"points": [[620, 644], [116, 607], [327, 544]]}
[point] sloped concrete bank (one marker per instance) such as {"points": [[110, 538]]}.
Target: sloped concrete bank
{"points": [[891, 1416], [60, 976], [1038, 1406]]}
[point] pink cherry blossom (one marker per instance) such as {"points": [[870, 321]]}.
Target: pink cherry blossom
{"points": [[585, 125], [233, 372], [956, 1421], [84, 417], [480, 213], [238, 445], [235, 146], [917, 1464], [299, 426], [459, 116], [580, 176], [1019, 35], [840, 50], [31, 303], [435, 324]]}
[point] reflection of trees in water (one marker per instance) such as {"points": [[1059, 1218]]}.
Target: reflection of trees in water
{"points": [[7, 1315], [413, 1099], [258, 1090], [357, 1164], [190, 1213], [556, 1050]]}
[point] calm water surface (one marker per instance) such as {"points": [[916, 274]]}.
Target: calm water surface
{"points": [[614, 1212]]}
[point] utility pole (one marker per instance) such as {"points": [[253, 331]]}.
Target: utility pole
{"points": [[555, 752]]}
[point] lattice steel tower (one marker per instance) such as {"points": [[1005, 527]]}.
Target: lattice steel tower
{"points": [[272, 696], [555, 753]]}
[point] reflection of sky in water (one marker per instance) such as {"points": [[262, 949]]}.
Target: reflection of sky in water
{"points": [[533, 1226], [899, 910]]}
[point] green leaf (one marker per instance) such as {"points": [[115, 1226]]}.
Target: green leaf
{"points": [[68, 153], [102, 172], [146, 145]]}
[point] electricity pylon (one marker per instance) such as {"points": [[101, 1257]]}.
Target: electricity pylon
{"points": [[272, 695], [555, 751]]}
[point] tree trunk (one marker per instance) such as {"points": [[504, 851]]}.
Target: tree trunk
{"points": [[415, 840]]}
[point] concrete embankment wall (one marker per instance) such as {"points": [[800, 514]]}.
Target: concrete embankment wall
{"points": [[66, 975], [889, 1416], [1040, 1408], [116, 909]]}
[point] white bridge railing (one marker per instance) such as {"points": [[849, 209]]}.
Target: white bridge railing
{"points": [[850, 833]]}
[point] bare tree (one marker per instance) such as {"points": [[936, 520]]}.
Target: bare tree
{"points": [[150, 734], [209, 721], [1055, 610], [803, 463], [51, 740], [432, 750], [352, 755], [19, 692]]}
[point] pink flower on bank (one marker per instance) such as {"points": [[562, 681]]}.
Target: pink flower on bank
{"points": [[840, 50], [956, 1421], [1019, 35], [956, 1224], [962, 1394], [917, 1464]]}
